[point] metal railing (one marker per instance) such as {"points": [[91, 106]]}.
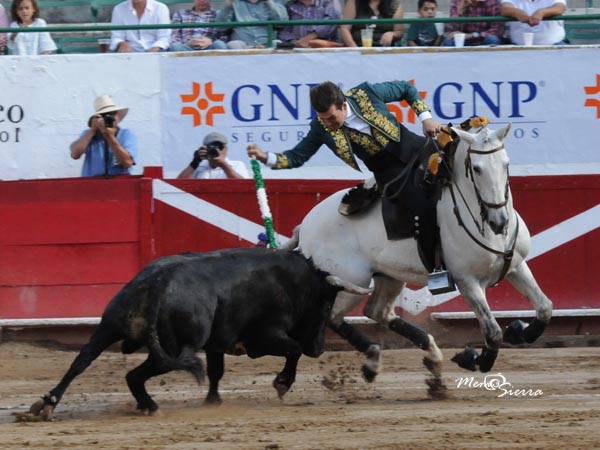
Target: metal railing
{"points": [[273, 25]]}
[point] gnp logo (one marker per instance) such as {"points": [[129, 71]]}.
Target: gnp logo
{"points": [[252, 103], [593, 102]]}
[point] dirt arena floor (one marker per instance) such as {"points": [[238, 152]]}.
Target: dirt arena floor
{"points": [[330, 407]]}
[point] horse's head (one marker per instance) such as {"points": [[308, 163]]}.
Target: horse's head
{"points": [[486, 163]]}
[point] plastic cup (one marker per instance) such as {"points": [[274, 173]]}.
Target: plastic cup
{"points": [[459, 39], [528, 39], [104, 44], [366, 36]]}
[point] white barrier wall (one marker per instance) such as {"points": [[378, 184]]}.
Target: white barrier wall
{"points": [[550, 95]]}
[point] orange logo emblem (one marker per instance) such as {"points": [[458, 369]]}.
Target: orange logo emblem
{"points": [[202, 104], [593, 102]]}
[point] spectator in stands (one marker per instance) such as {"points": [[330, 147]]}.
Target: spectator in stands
{"points": [[210, 161], [531, 15], [108, 148], [424, 34], [25, 13], [384, 35], [250, 11], [140, 12], [188, 39], [3, 24], [476, 33], [301, 35]]}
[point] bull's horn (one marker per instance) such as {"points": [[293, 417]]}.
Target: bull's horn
{"points": [[347, 286]]}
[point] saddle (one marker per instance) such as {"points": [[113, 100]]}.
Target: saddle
{"points": [[409, 198]]}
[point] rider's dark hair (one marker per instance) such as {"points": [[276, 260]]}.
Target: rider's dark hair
{"points": [[326, 94]]}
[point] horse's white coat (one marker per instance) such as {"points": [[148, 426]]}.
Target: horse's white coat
{"points": [[356, 248]]}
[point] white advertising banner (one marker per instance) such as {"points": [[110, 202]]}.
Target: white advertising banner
{"points": [[550, 95]]}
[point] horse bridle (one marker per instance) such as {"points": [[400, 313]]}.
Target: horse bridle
{"points": [[507, 255], [483, 205]]}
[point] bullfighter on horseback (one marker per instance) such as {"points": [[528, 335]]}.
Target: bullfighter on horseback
{"points": [[358, 124]]}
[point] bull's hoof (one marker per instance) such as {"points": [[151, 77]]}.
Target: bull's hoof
{"points": [[514, 332], [467, 359], [213, 400], [372, 364], [43, 408], [281, 385]]}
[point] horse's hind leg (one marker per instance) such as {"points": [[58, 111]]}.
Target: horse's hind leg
{"points": [[380, 307], [519, 332]]}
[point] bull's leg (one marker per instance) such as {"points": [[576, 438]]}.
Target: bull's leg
{"points": [[380, 307], [102, 338], [136, 380], [520, 332], [278, 343], [474, 295], [215, 367]]}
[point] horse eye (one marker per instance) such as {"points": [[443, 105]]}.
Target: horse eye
{"points": [[477, 170]]}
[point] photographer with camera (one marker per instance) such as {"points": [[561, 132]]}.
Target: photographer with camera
{"points": [[109, 149], [210, 161]]}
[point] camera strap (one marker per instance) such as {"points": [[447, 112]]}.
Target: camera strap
{"points": [[106, 158]]}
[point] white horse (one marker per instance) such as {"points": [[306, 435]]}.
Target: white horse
{"points": [[483, 241]]}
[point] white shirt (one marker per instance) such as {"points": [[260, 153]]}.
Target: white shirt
{"points": [[547, 32], [205, 172], [31, 43], [141, 40]]}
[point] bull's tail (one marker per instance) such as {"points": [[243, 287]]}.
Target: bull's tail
{"points": [[292, 244], [186, 360]]}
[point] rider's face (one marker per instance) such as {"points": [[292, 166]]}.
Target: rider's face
{"points": [[334, 117]]}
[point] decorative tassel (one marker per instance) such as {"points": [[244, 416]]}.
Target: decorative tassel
{"points": [[434, 162], [263, 203]]}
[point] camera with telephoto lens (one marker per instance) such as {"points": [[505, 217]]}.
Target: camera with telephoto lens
{"points": [[109, 120], [212, 150]]}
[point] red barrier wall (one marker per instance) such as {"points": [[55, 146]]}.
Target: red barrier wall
{"points": [[68, 245]]}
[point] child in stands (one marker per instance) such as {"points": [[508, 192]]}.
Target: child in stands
{"points": [[424, 34], [25, 14]]}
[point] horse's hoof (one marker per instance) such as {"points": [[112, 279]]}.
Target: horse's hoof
{"points": [[514, 332], [487, 359], [46, 413], [436, 389], [372, 364], [434, 367], [467, 359]]}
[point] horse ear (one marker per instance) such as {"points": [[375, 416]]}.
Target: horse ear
{"points": [[468, 137], [503, 132]]}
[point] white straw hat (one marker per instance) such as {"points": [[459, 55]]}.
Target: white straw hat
{"points": [[105, 104]]}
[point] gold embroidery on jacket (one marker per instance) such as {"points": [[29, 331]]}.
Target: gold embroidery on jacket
{"points": [[370, 145], [372, 116], [419, 106], [342, 145], [282, 161]]}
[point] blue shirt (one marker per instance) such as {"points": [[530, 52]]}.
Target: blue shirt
{"points": [[93, 165]]}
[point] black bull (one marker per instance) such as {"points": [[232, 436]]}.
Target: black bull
{"points": [[260, 301]]}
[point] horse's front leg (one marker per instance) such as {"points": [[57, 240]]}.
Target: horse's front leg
{"points": [[380, 307], [469, 359], [520, 332]]}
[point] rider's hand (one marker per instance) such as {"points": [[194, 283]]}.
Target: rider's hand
{"points": [[254, 151], [431, 127]]}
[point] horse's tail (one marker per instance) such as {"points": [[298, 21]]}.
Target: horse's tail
{"points": [[292, 244]]}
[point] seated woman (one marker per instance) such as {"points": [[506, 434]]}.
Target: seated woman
{"points": [[384, 35]]}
